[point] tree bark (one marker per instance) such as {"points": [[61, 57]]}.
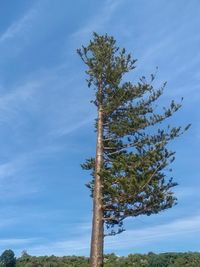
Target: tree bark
{"points": [[96, 252]]}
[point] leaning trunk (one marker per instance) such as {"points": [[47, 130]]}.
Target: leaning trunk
{"points": [[96, 253]]}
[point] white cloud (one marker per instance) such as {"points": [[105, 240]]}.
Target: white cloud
{"points": [[13, 101], [99, 21], [180, 228], [186, 192], [31, 98], [78, 246], [6, 221], [71, 128], [16, 241], [13, 183], [19, 27], [131, 239]]}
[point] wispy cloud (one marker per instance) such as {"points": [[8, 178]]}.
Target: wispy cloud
{"points": [[16, 241], [13, 183], [19, 27], [131, 239], [15, 100], [79, 246], [187, 192], [179, 229], [99, 21], [72, 128], [8, 169], [5, 222], [28, 98]]}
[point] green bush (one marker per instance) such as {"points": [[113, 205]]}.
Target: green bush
{"points": [[190, 259], [7, 259]]}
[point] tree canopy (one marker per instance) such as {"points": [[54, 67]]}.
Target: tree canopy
{"points": [[134, 172], [7, 259]]}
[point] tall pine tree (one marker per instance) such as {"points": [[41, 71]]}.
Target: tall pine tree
{"points": [[129, 170]]}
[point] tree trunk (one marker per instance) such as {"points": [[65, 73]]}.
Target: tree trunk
{"points": [[96, 252]]}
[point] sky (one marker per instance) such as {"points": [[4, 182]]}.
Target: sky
{"points": [[47, 120]]}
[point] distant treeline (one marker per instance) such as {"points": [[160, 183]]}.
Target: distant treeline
{"points": [[190, 259]]}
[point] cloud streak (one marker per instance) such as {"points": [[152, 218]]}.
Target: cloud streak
{"points": [[131, 239], [16, 241], [179, 229], [72, 128], [12, 102], [20, 27], [99, 21]]}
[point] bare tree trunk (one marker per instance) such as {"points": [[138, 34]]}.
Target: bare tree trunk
{"points": [[96, 252]]}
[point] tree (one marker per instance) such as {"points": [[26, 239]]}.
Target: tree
{"points": [[8, 259], [129, 175]]}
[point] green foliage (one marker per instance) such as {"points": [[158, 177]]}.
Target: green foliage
{"points": [[52, 261], [190, 259], [7, 259], [135, 153]]}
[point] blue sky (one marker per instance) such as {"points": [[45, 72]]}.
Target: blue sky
{"points": [[46, 120]]}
